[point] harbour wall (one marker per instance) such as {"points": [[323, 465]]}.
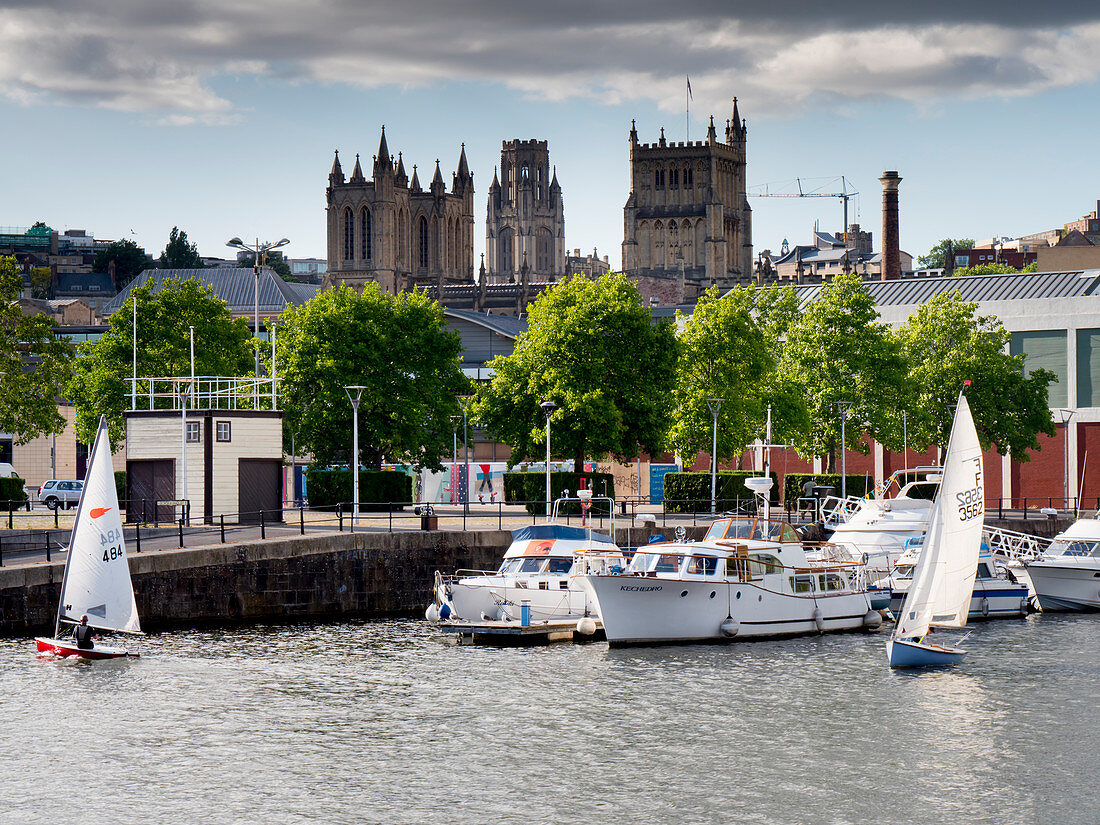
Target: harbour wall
{"points": [[323, 576]]}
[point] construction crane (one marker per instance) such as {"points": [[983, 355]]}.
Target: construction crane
{"points": [[844, 194]]}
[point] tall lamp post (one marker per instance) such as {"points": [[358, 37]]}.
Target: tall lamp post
{"points": [[714, 404], [258, 250], [358, 389], [464, 400], [1064, 415], [842, 408], [548, 407], [454, 458]]}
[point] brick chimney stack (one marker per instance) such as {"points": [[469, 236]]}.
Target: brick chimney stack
{"points": [[891, 247]]}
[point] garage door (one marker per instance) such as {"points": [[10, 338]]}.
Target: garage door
{"points": [[259, 487]]}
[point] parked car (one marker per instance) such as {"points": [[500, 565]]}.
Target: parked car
{"points": [[60, 493]]}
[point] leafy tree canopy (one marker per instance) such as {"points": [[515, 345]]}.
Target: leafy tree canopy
{"points": [[41, 278], [725, 351], [398, 347], [839, 351], [34, 364], [946, 343], [128, 258], [993, 269], [592, 349], [937, 255], [100, 385], [180, 253]]}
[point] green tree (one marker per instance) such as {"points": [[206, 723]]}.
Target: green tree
{"points": [[41, 278], [398, 347], [839, 351], [100, 384], [986, 269], [180, 253], [592, 349], [34, 364], [946, 343], [726, 352], [128, 258], [937, 257]]}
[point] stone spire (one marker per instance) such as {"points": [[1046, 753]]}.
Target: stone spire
{"points": [[438, 187], [401, 179], [337, 174], [383, 163], [357, 172], [712, 136], [415, 185]]}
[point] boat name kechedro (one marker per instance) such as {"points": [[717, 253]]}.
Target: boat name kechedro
{"points": [[638, 589]]}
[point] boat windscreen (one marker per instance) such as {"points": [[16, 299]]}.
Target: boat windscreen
{"points": [[532, 565], [559, 565], [1073, 547]]}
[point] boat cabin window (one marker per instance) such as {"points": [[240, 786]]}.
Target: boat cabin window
{"points": [[830, 581], [802, 584], [732, 528], [559, 565], [983, 571], [766, 563], [1074, 547], [904, 571], [923, 490], [532, 565], [702, 565], [510, 566], [655, 563]]}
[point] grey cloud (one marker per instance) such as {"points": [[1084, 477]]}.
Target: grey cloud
{"points": [[137, 55]]}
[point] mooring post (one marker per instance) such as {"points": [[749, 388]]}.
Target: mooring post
{"points": [[181, 532], [55, 509], [263, 526], [302, 520], [137, 536], [48, 544], [340, 516], [221, 522]]}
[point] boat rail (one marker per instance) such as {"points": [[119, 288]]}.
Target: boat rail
{"points": [[836, 510], [1013, 546]]}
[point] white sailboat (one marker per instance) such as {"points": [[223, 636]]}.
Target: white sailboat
{"points": [[943, 579], [96, 582]]}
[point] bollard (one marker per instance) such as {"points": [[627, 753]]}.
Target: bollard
{"points": [[137, 536], [55, 509], [11, 508], [221, 521], [525, 614], [390, 505], [181, 532], [48, 544], [263, 527], [340, 516], [144, 518], [301, 521]]}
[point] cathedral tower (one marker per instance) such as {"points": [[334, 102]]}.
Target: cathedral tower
{"points": [[391, 231], [687, 219], [526, 217]]}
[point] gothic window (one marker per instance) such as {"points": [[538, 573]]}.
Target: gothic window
{"points": [[402, 238], [688, 181], [544, 252], [460, 258], [659, 178], [673, 177], [349, 235], [504, 252], [365, 234], [422, 243], [511, 184]]}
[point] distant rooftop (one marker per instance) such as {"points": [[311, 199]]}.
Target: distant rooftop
{"points": [[234, 285]]}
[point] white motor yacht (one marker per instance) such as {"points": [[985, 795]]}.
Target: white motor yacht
{"points": [[996, 595], [540, 570], [747, 578], [1067, 575]]}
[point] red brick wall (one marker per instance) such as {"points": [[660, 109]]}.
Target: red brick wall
{"points": [[1042, 477], [1088, 463]]}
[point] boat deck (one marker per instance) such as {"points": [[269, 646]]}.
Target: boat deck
{"points": [[513, 634]]}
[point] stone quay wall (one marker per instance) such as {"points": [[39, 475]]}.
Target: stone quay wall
{"points": [[328, 576]]}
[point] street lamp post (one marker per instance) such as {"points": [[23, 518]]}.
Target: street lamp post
{"points": [[714, 404], [354, 448], [464, 400], [548, 407], [842, 407], [454, 458], [258, 250], [1065, 414]]}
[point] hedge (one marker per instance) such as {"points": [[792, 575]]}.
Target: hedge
{"points": [[329, 487], [120, 487], [690, 492], [858, 485], [11, 489], [530, 488]]}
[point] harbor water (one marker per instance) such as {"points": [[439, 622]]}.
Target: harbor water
{"points": [[387, 722]]}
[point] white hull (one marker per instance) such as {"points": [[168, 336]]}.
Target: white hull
{"points": [[1065, 584], [991, 600], [499, 598], [644, 610]]}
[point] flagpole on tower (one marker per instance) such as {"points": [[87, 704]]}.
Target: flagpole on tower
{"points": [[687, 111]]}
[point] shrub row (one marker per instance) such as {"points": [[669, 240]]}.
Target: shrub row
{"points": [[531, 488], [328, 487], [11, 489], [858, 485], [690, 492]]}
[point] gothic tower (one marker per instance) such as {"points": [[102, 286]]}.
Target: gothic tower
{"points": [[526, 217], [390, 231], [687, 218]]}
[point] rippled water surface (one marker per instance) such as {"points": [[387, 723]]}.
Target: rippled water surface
{"points": [[385, 722]]}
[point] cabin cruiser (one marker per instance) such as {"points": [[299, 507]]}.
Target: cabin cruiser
{"points": [[878, 528], [747, 578], [1067, 575], [996, 594], [540, 570]]}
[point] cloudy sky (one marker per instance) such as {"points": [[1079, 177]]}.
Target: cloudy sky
{"points": [[126, 117]]}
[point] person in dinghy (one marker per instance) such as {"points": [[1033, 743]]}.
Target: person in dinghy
{"points": [[84, 635]]}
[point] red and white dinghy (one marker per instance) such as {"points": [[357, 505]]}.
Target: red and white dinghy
{"points": [[97, 582]]}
